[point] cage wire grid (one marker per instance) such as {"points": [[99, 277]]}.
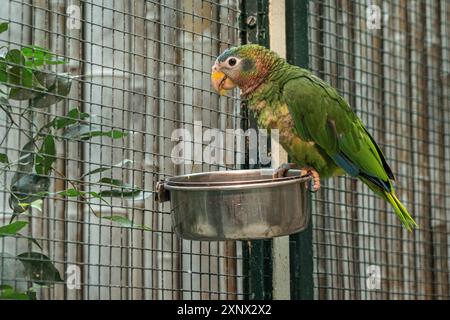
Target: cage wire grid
{"points": [[144, 68], [396, 79]]}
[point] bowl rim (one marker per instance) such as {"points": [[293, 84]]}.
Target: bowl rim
{"points": [[293, 178]]}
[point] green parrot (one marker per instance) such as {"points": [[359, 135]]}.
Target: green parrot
{"points": [[316, 125]]}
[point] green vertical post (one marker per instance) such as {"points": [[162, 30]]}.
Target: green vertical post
{"points": [[301, 248], [258, 253]]}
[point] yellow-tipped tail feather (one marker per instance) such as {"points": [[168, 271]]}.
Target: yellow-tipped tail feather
{"points": [[398, 207], [401, 211]]}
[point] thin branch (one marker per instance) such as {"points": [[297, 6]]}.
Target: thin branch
{"points": [[86, 200]]}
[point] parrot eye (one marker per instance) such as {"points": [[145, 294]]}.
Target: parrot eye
{"points": [[232, 62]]}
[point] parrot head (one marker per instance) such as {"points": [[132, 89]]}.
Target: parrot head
{"points": [[246, 67]]}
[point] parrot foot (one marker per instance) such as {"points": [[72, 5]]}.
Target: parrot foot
{"points": [[315, 178], [282, 170]]}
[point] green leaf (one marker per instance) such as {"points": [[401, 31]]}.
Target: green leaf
{"points": [[20, 79], [4, 26], [87, 131], [24, 84], [8, 293], [71, 192], [103, 169], [77, 114], [35, 56], [58, 88], [77, 193], [4, 158], [72, 117], [15, 57], [12, 228], [32, 51], [39, 56], [46, 78], [3, 70], [97, 195], [118, 193], [125, 191], [46, 156], [39, 268], [113, 182], [78, 131], [115, 134], [125, 222]]}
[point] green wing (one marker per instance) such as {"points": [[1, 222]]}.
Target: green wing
{"points": [[323, 116]]}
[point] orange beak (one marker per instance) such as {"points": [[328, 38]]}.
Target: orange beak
{"points": [[220, 82]]}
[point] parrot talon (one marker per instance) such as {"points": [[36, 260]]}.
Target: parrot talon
{"points": [[283, 169], [315, 179]]}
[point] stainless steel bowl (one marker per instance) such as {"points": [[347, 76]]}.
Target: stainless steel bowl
{"points": [[236, 205]]}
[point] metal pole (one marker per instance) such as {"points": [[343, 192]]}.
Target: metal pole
{"points": [[280, 245], [301, 244], [257, 253]]}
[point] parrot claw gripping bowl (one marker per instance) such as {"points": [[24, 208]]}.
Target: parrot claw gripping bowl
{"points": [[236, 205]]}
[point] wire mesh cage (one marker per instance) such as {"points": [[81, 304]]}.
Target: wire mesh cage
{"points": [[390, 60], [141, 70]]}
